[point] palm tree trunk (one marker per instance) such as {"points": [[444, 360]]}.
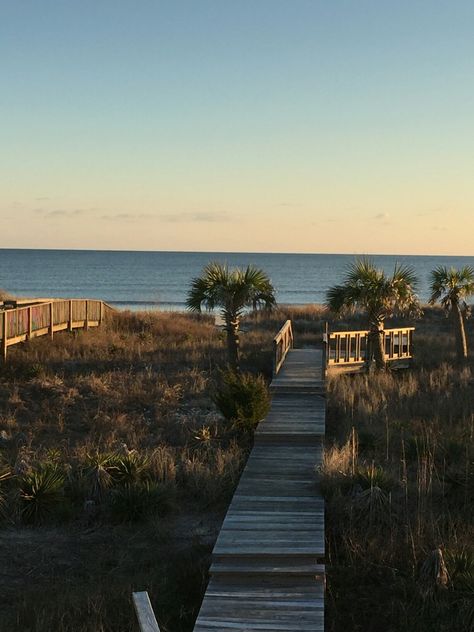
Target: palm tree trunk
{"points": [[233, 342], [375, 346], [460, 332]]}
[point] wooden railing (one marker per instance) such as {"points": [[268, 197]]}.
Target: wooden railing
{"points": [[282, 343], [350, 347], [40, 319], [145, 615]]}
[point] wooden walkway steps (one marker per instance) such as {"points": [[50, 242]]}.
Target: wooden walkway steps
{"points": [[267, 571]]}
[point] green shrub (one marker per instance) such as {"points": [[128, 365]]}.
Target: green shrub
{"points": [[242, 398]]}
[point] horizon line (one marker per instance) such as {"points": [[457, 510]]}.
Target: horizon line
{"points": [[237, 252]]}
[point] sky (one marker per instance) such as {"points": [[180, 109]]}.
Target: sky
{"points": [[238, 125]]}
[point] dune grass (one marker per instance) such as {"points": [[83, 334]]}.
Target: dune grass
{"points": [[118, 432]]}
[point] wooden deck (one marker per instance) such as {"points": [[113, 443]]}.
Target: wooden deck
{"points": [[267, 572]]}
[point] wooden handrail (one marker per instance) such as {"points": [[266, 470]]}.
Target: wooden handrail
{"points": [[349, 347], [45, 318], [282, 343], [145, 615]]}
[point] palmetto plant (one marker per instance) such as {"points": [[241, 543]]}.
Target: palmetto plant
{"points": [[231, 291], [451, 288], [380, 296]]}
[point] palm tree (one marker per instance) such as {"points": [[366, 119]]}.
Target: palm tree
{"points": [[369, 289], [451, 288], [231, 291]]}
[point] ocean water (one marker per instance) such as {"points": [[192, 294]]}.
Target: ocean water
{"points": [[160, 280]]}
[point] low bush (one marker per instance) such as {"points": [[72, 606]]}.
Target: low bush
{"points": [[242, 398]]}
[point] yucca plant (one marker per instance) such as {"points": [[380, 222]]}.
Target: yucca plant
{"points": [[131, 468], [135, 502], [100, 471], [374, 476], [372, 506], [41, 492], [461, 570]]}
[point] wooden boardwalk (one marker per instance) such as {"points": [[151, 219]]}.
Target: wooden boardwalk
{"points": [[30, 319], [267, 571]]}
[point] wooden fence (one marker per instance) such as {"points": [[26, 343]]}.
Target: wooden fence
{"points": [[41, 319], [345, 348], [282, 343]]}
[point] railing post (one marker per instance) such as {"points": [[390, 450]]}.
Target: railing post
{"points": [[86, 321], [51, 320], [30, 322], [101, 317], [4, 336], [70, 315]]}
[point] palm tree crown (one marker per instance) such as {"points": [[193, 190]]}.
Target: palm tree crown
{"points": [[370, 289], [452, 287], [231, 291]]}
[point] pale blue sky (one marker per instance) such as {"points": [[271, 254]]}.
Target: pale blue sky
{"points": [[266, 125]]}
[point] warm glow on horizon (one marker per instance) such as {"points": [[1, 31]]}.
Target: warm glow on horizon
{"points": [[262, 127]]}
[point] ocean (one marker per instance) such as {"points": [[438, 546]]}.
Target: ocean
{"points": [[160, 280]]}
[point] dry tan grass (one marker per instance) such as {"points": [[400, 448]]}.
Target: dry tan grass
{"points": [[397, 471]]}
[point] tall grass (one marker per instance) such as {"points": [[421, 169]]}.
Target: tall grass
{"points": [[115, 471], [399, 507]]}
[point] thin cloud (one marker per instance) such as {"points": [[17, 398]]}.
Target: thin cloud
{"points": [[382, 216], [62, 213], [433, 211], [127, 217], [206, 217], [288, 204]]}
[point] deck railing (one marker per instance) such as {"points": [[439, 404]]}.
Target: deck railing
{"points": [[350, 347], [40, 319], [282, 343]]}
